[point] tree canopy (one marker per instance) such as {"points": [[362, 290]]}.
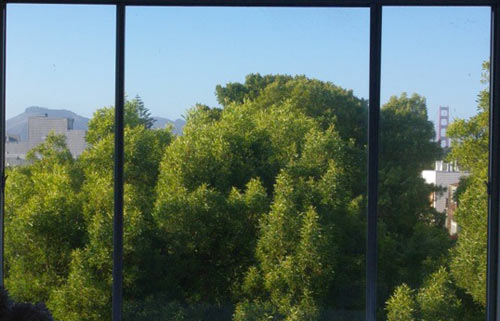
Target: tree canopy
{"points": [[457, 289], [256, 212]]}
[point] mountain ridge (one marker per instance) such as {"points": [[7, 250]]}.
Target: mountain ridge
{"points": [[18, 125]]}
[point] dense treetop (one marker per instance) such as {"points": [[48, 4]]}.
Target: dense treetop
{"points": [[256, 212]]}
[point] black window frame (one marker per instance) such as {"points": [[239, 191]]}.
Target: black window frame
{"points": [[375, 7]]}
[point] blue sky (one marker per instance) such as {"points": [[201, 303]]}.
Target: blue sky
{"points": [[63, 56]]}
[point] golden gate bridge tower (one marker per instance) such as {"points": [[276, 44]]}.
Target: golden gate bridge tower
{"points": [[444, 120]]}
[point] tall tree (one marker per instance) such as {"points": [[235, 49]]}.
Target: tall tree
{"points": [[470, 149], [252, 141], [256, 211], [464, 291], [412, 239], [44, 221], [86, 293]]}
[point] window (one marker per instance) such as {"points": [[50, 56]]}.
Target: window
{"points": [[433, 91], [258, 88], [59, 195], [133, 189]]}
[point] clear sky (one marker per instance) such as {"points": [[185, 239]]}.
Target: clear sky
{"points": [[63, 56]]}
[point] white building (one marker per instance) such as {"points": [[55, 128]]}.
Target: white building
{"points": [[443, 175], [38, 129]]}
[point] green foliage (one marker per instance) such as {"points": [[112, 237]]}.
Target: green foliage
{"points": [[401, 306], [412, 240], [92, 266], [86, 295], [276, 131], [410, 220], [160, 308], [64, 207], [44, 222], [406, 150], [255, 311], [102, 123], [323, 101], [256, 212], [470, 150], [470, 139], [300, 237], [461, 293], [436, 300], [254, 84], [469, 255]]}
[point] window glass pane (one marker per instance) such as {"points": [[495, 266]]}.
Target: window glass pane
{"points": [[433, 164], [59, 148], [251, 204]]}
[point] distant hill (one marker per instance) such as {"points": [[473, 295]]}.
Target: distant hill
{"points": [[18, 125], [178, 124]]}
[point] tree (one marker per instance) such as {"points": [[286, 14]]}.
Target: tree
{"points": [[257, 211], [325, 102], [401, 306], [436, 300], [412, 240], [262, 133], [103, 121], [460, 294], [44, 221], [86, 293], [253, 140], [301, 237], [470, 150]]}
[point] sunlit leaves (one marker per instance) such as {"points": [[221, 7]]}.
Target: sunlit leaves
{"points": [[44, 221]]}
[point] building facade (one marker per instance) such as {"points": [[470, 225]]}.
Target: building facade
{"points": [[451, 207], [446, 177], [38, 130]]}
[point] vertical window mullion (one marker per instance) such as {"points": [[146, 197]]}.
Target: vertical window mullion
{"points": [[117, 294], [3, 36], [493, 170], [373, 151]]}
